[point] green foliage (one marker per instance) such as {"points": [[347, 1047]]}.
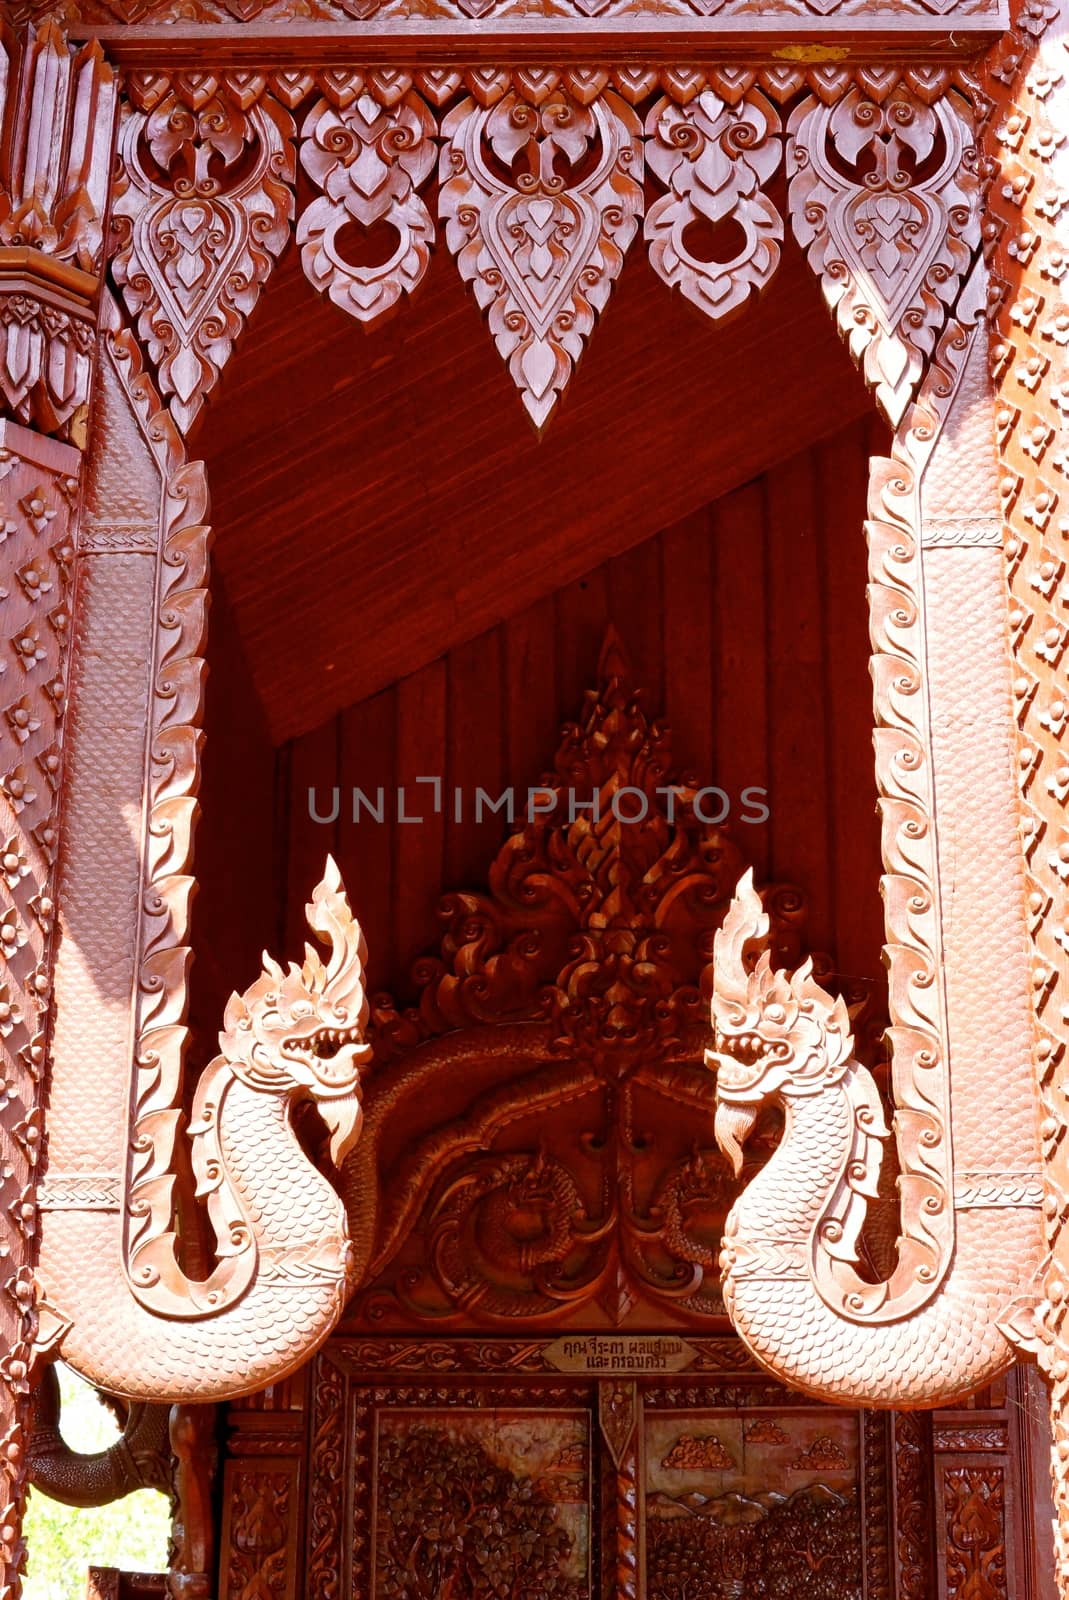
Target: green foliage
{"points": [[63, 1542]]}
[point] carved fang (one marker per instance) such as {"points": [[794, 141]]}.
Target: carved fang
{"points": [[344, 1117], [733, 1126]]}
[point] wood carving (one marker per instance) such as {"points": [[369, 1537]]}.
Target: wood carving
{"points": [[260, 1534], [370, 159], [962, 1292], [139, 1459], [974, 1505], [964, 22], [201, 210], [885, 198], [139, 1326], [713, 159], [541, 198], [1028, 206], [38, 488], [584, 973], [57, 112], [914, 1534]]}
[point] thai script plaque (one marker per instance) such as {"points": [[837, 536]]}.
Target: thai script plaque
{"points": [[612, 1354]]}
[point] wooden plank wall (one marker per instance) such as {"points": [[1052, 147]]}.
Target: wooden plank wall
{"points": [[746, 626]]}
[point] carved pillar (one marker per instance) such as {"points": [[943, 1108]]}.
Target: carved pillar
{"points": [[58, 112], [1027, 232]]}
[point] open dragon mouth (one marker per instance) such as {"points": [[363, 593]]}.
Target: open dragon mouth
{"points": [[324, 1044], [747, 1048]]}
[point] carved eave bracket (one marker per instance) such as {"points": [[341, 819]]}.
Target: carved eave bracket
{"points": [[55, 154], [885, 197]]}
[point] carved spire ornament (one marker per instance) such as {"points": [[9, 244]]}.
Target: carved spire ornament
{"points": [[541, 198], [885, 197], [202, 209]]}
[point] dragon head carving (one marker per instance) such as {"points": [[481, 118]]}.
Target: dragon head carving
{"points": [[302, 1031], [776, 1034]]}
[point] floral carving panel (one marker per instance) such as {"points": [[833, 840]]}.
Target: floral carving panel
{"points": [[713, 158], [201, 211], [369, 158], [482, 1504], [885, 197], [541, 198]]}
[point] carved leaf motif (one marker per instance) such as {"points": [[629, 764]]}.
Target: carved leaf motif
{"points": [[886, 200], [370, 161], [540, 206], [713, 158], [202, 210]]}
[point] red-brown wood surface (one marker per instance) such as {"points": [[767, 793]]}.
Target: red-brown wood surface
{"points": [[386, 494], [745, 623]]}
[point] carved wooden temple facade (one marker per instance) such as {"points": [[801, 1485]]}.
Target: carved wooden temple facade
{"points": [[637, 442]]}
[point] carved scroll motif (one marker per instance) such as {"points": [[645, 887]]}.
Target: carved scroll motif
{"points": [[370, 160], [885, 197], [541, 198], [975, 1508], [58, 117], [713, 158], [202, 209], [1028, 223]]}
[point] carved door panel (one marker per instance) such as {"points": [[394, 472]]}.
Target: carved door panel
{"points": [[503, 1482], [603, 1467]]}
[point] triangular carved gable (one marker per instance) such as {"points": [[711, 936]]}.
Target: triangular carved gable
{"points": [[538, 1130]]}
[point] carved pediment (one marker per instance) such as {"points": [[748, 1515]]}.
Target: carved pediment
{"points": [[538, 1140]]}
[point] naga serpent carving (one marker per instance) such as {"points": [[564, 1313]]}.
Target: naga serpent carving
{"points": [[961, 1298], [131, 1319], [139, 1459], [122, 1296]]}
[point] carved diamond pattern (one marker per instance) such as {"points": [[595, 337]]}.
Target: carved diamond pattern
{"points": [[541, 249]]}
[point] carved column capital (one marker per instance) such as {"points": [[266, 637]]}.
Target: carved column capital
{"points": [[58, 113]]}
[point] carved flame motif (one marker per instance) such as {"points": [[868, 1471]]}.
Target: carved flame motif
{"points": [[886, 200], [540, 205], [201, 211], [370, 160], [713, 159]]}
